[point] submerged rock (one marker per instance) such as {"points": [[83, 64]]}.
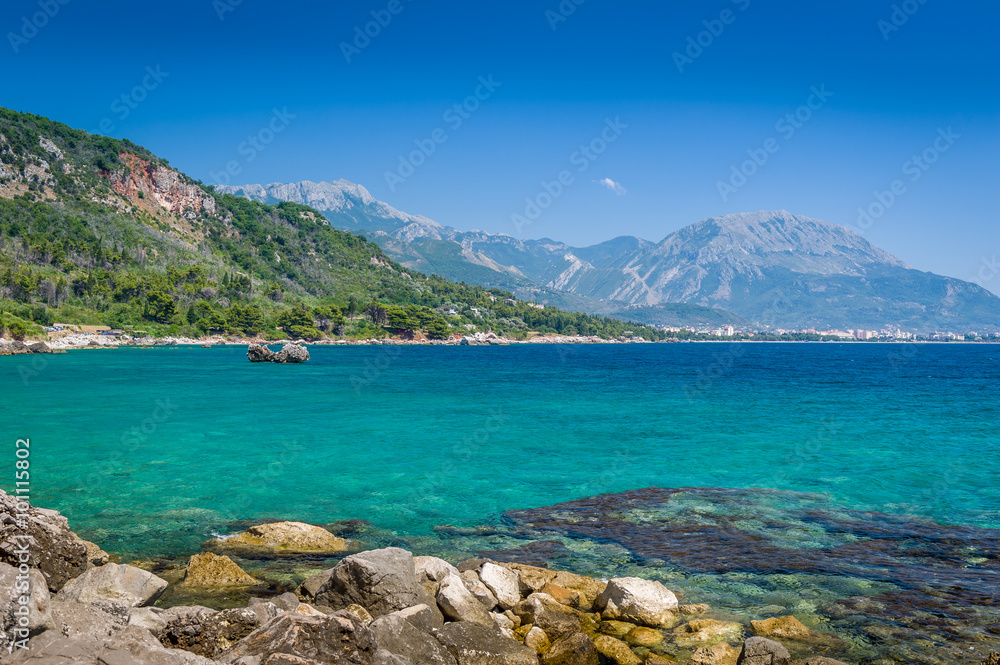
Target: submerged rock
{"points": [[762, 651], [787, 626], [282, 537], [213, 570]]}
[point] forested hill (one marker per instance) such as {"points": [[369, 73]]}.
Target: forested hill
{"points": [[96, 230]]}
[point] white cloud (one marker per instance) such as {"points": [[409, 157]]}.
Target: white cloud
{"points": [[615, 187]]}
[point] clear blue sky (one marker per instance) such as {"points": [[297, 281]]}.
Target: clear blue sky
{"points": [[894, 85]]}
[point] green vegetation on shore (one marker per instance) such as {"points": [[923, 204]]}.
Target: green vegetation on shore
{"points": [[100, 231]]}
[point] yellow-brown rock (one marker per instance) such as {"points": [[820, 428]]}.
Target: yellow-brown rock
{"points": [[285, 537], [212, 570], [642, 636], [708, 630], [717, 654], [615, 651], [787, 626]]}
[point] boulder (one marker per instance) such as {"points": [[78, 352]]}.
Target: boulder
{"points": [[572, 649], [708, 630], [614, 628], [696, 608], [291, 353], [338, 638], [421, 617], [95, 555], [636, 600], [131, 646], [787, 626], [258, 353], [363, 615], [473, 644], [308, 589], [51, 547], [287, 601], [503, 582], [536, 639], [35, 594], [615, 651], [282, 537], [717, 654], [39, 347], [478, 589], [382, 581], [398, 636], [556, 624], [150, 618], [183, 626], [431, 570], [210, 634], [114, 582], [97, 621], [642, 636], [458, 604], [534, 578], [762, 651], [562, 595], [212, 570]]}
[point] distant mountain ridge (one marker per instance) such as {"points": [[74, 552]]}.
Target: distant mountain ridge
{"points": [[769, 267]]}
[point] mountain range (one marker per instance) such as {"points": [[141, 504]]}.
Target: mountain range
{"points": [[771, 268]]}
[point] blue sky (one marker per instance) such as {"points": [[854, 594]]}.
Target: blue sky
{"points": [[886, 82]]}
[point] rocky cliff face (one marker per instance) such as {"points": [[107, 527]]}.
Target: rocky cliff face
{"points": [[146, 185]]}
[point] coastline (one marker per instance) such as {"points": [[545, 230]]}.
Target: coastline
{"points": [[479, 611], [82, 342]]}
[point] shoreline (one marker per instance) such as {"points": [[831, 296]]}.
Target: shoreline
{"points": [[82, 342], [424, 609]]}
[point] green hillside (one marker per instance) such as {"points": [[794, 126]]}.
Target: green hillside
{"points": [[95, 230]]}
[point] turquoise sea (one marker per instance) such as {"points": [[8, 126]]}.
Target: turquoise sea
{"points": [[150, 451]]}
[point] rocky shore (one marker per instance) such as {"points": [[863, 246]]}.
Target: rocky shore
{"points": [[82, 341], [374, 607]]}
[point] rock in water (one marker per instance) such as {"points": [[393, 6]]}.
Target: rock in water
{"points": [[762, 651], [212, 570], [645, 602], [282, 538], [258, 353], [291, 353]]}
